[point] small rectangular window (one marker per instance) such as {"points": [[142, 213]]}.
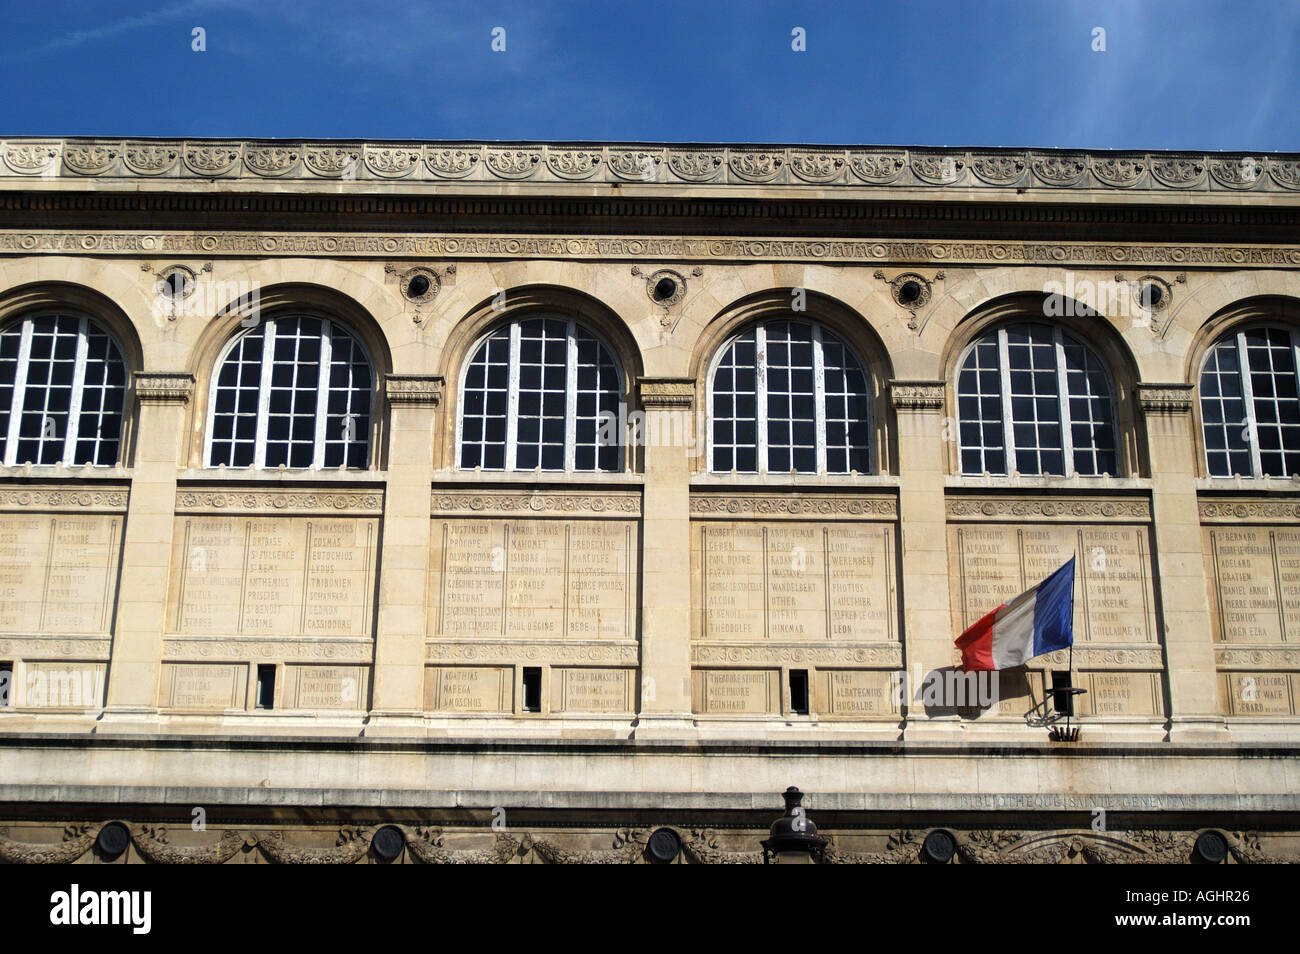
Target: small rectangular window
{"points": [[799, 691], [1062, 701], [266, 686], [6, 684], [532, 689]]}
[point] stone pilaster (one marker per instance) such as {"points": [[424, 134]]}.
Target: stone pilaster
{"points": [[1189, 646], [397, 704], [665, 706], [136, 661], [923, 539]]}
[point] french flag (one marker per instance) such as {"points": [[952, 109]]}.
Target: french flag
{"points": [[1037, 621]]}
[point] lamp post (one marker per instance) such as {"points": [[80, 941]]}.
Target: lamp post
{"points": [[793, 838]]}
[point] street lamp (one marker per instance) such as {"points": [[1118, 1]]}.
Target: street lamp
{"points": [[793, 838]]}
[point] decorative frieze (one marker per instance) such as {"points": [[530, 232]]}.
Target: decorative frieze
{"points": [[44, 647], [875, 655], [487, 652], [1257, 657], [794, 505], [515, 503], [667, 393], [83, 498], [414, 390], [355, 649], [1109, 657], [1227, 510], [1173, 398], [1067, 509], [917, 395], [240, 500], [163, 387]]}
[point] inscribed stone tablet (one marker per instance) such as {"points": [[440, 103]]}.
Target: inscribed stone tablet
{"points": [[58, 572], [854, 694], [325, 687], [204, 686], [592, 690], [469, 689], [736, 691]]}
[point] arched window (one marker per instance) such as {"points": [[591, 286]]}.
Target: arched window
{"points": [[1032, 399], [295, 390], [62, 390], [541, 393], [1250, 408], [789, 396]]}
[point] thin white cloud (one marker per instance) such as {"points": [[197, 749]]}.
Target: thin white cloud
{"points": [[118, 27]]}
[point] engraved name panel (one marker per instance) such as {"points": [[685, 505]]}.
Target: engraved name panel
{"points": [[1258, 693], [469, 688], [854, 694], [275, 576], [204, 686], [547, 579], [736, 691], [790, 581], [1120, 693], [58, 685], [1113, 591], [58, 573], [324, 687], [1253, 573], [592, 690]]}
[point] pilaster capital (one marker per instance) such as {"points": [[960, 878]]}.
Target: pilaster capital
{"points": [[1175, 398], [917, 395], [414, 390], [163, 387], [667, 393]]}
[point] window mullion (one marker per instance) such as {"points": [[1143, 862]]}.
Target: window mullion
{"points": [[264, 393], [322, 399], [74, 401], [1248, 402], [512, 400], [819, 398], [20, 389], [1004, 379], [1063, 408], [571, 396], [760, 394]]}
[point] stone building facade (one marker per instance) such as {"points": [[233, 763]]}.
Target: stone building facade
{"points": [[513, 502]]}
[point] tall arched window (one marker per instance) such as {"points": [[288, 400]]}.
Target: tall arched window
{"points": [[789, 396], [1031, 398], [541, 393], [295, 390], [62, 391], [1250, 408]]}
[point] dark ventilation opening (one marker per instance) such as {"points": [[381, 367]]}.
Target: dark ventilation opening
{"points": [[266, 686], [665, 288], [799, 691], [532, 689], [6, 683], [417, 286], [1152, 295], [177, 284], [1062, 701], [909, 292]]}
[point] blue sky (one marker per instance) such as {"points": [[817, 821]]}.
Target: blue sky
{"points": [[1177, 74]]}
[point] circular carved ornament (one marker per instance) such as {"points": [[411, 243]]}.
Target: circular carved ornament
{"points": [[663, 845], [420, 285]]}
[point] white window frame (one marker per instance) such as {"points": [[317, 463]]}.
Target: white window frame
{"points": [[819, 398], [72, 435], [512, 398], [1250, 424], [1062, 399], [264, 393]]}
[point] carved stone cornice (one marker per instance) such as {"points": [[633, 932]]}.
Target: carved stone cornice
{"points": [[667, 393], [348, 503], [214, 648], [789, 505], [1171, 398], [414, 390], [486, 503], [264, 244], [355, 165], [1256, 658], [489, 652], [1238, 510], [883, 655], [85, 498], [163, 387], [1105, 657], [917, 395], [1064, 509], [78, 647]]}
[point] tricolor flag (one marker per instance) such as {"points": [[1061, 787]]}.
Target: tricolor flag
{"points": [[1037, 621]]}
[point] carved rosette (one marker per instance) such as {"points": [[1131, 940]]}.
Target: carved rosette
{"points": [[211, 159], [1285, 172], [1179, 172], [667, 393], [877, 168], [998, 169], [33, 158], [238, 500], [938, 168], [816, 166], [917, 395], [414, 390], [635, 164], [1121, 172], [486, 503], [331, 162], [573, 163], [1174, 398], [824, 506], [695, 165], [1058, 170], [754, 165], [513, 163], [1240, 172], [150, 159], [91, 159], [163, 387], [1221, 510], [391, 163], [270, 161], [452, 163], [1049, 508]]}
